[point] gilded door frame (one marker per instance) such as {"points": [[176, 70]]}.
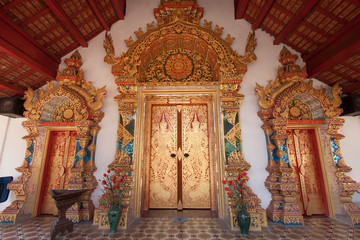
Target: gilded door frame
{"points": [[69, 102], [44, 159], [208, 61], [179, 97], [321, 160], [289, 100]]}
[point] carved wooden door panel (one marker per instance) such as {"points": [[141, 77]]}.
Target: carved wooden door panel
{"points": [[60, 160], [163, 165], [303, 158], [179, 164]]}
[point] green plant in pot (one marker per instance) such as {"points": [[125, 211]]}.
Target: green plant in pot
{"points": [[236, 190], [114, 190]]}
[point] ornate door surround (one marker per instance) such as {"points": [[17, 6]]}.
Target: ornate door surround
{"points": [[180, 54], [71, 104], [290, 101]]}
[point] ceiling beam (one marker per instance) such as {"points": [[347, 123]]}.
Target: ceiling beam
{"points": [[22, 76], [35, 17], [17, 28], [63, 17], [308, 5], [240, 8], [19, 47], [98, 14], [40, 81], [119, 6], [357, 2], [264, 11], [11, 69], [11, 4], [336, 37], [338, 52], [351, 88], [11, 88]]}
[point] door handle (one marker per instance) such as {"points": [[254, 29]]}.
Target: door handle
{"points": [[173, 155], [186, 155]]}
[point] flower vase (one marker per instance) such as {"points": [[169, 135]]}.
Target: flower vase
{"points": [[243, 218], [114, 214]]}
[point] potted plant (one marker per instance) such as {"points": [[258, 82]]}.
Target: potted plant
{"points": [[114, 190], [236, 190]]}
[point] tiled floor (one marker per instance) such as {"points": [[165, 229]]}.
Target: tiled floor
{"points": [[153, 227]]}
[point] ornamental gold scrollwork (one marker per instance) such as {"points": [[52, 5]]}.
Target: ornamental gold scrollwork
{"points": [[178, 52], [224, 60], [291, 97], [71, 101]]}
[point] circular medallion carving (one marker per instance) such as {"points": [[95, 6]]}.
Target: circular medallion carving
{"points": [[178, 66], [68, 113], [295, 112], [63, 112], [298, 110]]}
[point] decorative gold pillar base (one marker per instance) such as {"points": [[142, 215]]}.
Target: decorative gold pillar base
{"points": [[258, 219], [9, 215], [101, 218], [101, 213], [352, 209], [257, 213], [81, 211]]}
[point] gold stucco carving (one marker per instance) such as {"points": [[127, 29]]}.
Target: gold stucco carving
{"points": [[278, 108], [73, 104], [187, 46]]}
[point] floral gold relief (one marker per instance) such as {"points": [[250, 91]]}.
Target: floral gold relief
{"points": [[68, 112], [186, 58], [292, 112]]}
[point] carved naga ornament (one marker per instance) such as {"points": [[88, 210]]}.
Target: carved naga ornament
{"points": [[69, 105], [290, 77], [71, 81], [193, 55], [291, 100], [180, 52]]}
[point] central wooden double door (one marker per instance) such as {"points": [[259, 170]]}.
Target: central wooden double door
{"points": [[179, 157]]}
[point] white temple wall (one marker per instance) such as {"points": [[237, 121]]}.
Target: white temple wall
{"points": [[138, 14]]}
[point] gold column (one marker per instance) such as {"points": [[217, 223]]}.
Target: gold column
{"points": [[127, 105], [235, 163], [84, 209], [283, 207]]}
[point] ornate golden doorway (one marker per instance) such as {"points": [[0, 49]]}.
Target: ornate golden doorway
{"points": [[179, 55], [57, 170], [304, 160], [179, 157], [179, 153]]}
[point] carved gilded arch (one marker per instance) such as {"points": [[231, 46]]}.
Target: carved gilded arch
{"points": [[288, 100], [180, 52], [226, 65], [71, 104], [329, 106]]}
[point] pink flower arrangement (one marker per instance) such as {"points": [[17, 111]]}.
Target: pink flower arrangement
{"points": [[236, 190]]}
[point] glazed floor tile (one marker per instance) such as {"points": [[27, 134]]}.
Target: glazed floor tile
{"points": [[154, 228]]}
